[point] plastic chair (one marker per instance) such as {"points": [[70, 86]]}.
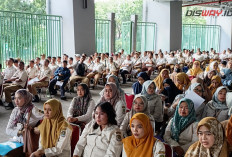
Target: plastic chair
{"points": [[75, 136]]}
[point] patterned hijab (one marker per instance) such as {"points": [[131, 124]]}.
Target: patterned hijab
{"points": [[81, 104], [50, 129], [218, 104], [219, 148], [115, 97], [211, 67], [144, 146], [146, 84], [229, 131], [180, 123], [26, 108]]}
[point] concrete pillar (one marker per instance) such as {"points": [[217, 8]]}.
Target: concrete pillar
{"points": [[134, 19], [168, 17], [78, 25], [111, 17]]}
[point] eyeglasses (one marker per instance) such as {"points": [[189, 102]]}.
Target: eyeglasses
{"points": [[197, 90]]}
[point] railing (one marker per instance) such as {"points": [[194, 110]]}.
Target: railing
{"points": [[146, 36], [26, 35], [201, 36], [102, 36]]}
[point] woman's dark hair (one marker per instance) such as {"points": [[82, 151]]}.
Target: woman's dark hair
{"points": [[107, 108], [85, 87]]}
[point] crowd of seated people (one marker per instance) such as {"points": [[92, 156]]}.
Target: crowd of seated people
{"points": [[181, 104]]}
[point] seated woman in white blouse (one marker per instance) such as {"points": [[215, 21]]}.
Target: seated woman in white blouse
{"points": [[19, 115], [101, 137], [55, 132], [81, 107], [181, 130]]}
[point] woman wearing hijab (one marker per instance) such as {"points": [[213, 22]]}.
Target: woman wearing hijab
{"points": [[207, 94], [101, 137], [215, 83], [160, 78], [211, 143], [227, 125], [217, 107], [81, 107], [19, 116], [181, 130], [142, 143], [170, 91], [111, 94], [182, 81], [137, 86], [114, 79], [140, 105], [212, 66], [55, 131], [196, 70], [195, 87], [208, 76], [155, 104]]}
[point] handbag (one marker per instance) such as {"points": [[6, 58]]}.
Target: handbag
{"points": [[30, 139]]}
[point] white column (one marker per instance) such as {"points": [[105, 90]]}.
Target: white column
{"points": [[134, 19], [111, 17]]}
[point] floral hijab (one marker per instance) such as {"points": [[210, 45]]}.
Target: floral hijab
{"points": [[180, 123], [219, 148]]}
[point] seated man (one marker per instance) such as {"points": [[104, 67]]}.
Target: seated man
{"points": [[98, 70], [61, 74], [10, 70], [43, 76], [137, 64], [80, 68], [112, 68], [126, 68], [53, 66], [18, 80], [32, 71]]}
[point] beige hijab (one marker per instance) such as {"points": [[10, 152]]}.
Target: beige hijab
{"points": [[219, 148]]}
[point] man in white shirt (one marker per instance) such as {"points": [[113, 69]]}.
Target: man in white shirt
{"points": [[126, 68], [43, 76], [161, 62], [112, 67], [137, 64], [97, 72], [198, 56], [18, 80], [42, 59], [59, 63], [32, 71], [223, 55], [149, 64], [171, 62], [53, 66], [10, 70]]}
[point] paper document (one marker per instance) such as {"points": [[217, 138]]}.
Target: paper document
{"points": [[197, 100], [33, 80], [59, 83]]}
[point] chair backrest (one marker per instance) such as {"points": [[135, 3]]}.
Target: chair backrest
{"points": [[168, 150], [75, 136], [129, 101]]}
